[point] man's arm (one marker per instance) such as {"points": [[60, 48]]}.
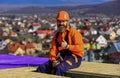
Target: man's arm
{"points": [[53, 51], [77, 45]]}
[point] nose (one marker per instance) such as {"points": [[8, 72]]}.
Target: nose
{"points": [[61, 22]]}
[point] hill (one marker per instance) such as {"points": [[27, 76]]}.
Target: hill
{"points": [[109, 8]]}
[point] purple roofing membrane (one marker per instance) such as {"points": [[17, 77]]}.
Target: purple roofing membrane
{"points": [[12, 61]]}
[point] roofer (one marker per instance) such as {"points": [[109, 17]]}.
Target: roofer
{"points": [[67, 48]]}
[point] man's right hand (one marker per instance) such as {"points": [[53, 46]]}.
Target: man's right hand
{"points": [[64, 44], [55, 63]]}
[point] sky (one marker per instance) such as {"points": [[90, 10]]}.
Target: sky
{"points": [[50, 2]]}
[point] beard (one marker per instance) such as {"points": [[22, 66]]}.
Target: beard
{"points": [[61, 28]]}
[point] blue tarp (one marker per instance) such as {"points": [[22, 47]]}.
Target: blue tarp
{"points": [[12, 61], [117, 46]]}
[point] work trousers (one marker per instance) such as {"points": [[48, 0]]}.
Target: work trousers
{"points": [[61, 68]]}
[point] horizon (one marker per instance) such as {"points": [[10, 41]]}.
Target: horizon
{"points": [[50, 3]]}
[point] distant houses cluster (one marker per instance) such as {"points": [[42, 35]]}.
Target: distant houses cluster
{"points": [[33, 29]]}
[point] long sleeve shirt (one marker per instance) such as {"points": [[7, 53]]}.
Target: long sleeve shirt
{"points": [[76, 45]]}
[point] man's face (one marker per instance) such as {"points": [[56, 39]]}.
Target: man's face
{"points": [[62, 25]]}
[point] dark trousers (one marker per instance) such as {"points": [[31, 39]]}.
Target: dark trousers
{"points": [[61, 68]]}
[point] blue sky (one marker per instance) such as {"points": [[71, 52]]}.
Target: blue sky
{"points": [[50, 2]]}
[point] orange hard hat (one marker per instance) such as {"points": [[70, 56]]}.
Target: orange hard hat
{"points": [[63, 15]]}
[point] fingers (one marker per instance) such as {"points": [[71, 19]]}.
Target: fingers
{"points": [[63, 40], [64, 44], [56, 63]]}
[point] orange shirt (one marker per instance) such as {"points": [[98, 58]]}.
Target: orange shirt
{"points": [[75, 42]]}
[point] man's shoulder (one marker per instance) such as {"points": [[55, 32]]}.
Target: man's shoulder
{"points": [[72, 29]]}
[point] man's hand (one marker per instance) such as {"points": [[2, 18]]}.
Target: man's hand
{"points": [[64, 44], [55, 63]]}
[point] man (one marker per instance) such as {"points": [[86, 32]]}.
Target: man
{"points": [[67, 48]]}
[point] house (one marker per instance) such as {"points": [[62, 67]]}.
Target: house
{"points": [[41, 33], [3, 43], [13, 34], [36, 26], [118, 32], [112, 35], [84, 32], [102, 41], [93, 32], [19, 51]]}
